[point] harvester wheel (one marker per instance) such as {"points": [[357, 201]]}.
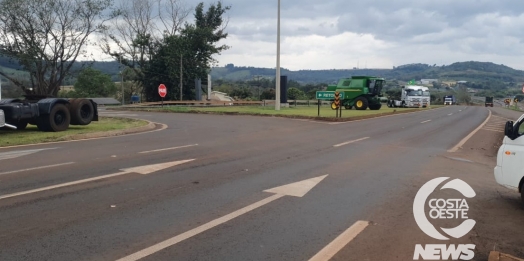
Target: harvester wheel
{"points": [[361, 103], [333, 106], [348, 107]]}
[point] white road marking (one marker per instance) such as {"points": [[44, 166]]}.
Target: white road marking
{"points": [[297, 189], [141, 170], [342, 240], [493, 130], [349, 142], [426, 121], [173, 148], [450, 114], [471, 134], [37, 168], [20, 153]]}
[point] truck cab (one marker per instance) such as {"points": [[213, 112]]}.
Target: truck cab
{"points": [[489, 102], [509, 171]]}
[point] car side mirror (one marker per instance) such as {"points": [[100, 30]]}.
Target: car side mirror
{"points": [[509, 131]]}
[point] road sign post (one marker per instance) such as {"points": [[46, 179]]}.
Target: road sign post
{"points": [[162, 91], [335, 96]]}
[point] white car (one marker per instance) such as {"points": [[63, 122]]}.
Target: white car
{"points": [[509, 171]]}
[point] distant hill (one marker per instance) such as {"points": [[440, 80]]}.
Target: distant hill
{"points": [[460, 71]]}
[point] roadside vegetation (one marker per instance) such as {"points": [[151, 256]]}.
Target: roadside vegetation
{"points": [[308, 112], [32, 135]]}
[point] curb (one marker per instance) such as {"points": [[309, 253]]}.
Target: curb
{"points": [[324, 119], [497, 256], [103, 134]]}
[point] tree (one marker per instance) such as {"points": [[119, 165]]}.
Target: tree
{"points": [[47, 36], [93, 83], [191, 51], [140, 27], [295, 94]]}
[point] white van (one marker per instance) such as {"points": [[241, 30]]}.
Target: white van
{"points": [[509, 171]]}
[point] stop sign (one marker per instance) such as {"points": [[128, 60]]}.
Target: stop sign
{"points": [[162, 90]]}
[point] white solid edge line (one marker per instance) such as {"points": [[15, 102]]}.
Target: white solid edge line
{"points": [[164, 126], [342, 240], [61, 185], [450, 114], [195, 231], [426, 121], [37, 168], [454, 149], [349, 142], [172, 148]]}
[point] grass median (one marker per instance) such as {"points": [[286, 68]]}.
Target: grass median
{"points": [[31, 135], [306, 112]]}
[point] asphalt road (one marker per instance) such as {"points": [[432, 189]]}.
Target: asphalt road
{"points": [[215, 167]]}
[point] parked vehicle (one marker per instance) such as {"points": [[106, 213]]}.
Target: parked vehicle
{"points": [[489, 102], [361, 92], [48, 114], [510, 158], [411, 96]]}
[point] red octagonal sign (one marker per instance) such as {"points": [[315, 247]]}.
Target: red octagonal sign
{"points": [[162, 90]]}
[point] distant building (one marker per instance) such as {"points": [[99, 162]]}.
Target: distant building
{"points": [[428, 81]]}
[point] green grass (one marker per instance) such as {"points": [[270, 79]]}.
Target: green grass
{"points": [[300, 111], [32, 135]]}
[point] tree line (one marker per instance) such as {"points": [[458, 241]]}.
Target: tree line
{"points": [[156, 41]]}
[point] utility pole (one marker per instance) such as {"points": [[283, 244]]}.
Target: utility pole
{"points": [[277, 80], [121, 77]]}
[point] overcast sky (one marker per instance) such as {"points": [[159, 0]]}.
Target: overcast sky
{"points": [[342, 34]]}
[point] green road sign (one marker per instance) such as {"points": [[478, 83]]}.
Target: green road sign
{"points": [[326, 95]]}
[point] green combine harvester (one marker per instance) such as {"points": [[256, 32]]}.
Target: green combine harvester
{"points": [[361, 92]]}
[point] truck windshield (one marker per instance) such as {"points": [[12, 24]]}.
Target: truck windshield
{"points": [[414, 92], [426, 93]]}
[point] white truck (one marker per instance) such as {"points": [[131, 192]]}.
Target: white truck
{"points": [[510, 158], [411, 96]]}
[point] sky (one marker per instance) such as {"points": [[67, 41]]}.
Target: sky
{"points": [[343, 34]]}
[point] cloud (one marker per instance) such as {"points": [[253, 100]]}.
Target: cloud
{"points": [[343, 33]]}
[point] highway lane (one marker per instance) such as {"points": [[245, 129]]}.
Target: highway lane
{"points": [[151, 208]]}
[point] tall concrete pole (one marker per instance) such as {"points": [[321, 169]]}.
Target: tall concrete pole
{"points": [[209, 86], [277, 80]]}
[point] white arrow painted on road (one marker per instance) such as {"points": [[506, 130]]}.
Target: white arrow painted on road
{"points": [[144, 170], [19, 153], [297, 189]]}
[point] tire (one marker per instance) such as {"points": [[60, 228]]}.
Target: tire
{"points": [[82, 112], [522, 193], [375, 107], [57, 120], [348, 107], [333, 106], [361, 103]]}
